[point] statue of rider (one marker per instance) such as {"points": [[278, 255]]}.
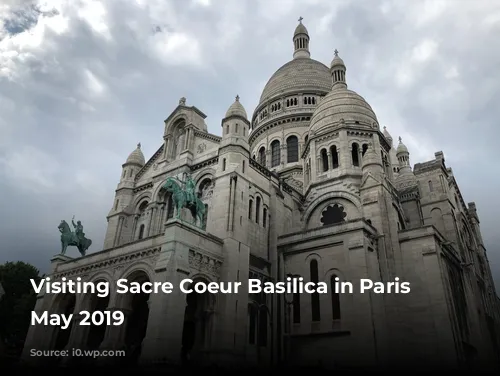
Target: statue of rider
{"points": [[190, 190], [78, 229]]}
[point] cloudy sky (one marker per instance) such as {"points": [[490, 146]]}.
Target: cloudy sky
{"points": [[82, 82]]}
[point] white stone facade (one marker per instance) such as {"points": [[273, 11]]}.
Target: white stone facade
{"points": [[310, 187]]}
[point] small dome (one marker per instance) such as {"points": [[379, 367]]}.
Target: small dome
{"points": [[337, 61], [236, 109], [342, 104], [300, 29], [401, 147], [136, 156]]}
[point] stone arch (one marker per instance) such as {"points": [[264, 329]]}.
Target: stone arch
{"points": [[355, 141], [141, 197], [101, 276], [206, 173], [333, 143], [174, 122], [353, 199], [437, 220], [274, 138], [339, 273], [331, 212], [158, 192]]}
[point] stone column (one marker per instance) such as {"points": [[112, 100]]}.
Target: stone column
{"points": [[166, 145], [114, 339], [151, 220], [78, 332]]}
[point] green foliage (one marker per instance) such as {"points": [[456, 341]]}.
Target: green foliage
{"points": [[17, 303]]}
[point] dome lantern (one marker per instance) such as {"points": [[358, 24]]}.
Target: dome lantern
{"points": [[301, 41], [337, 70]]}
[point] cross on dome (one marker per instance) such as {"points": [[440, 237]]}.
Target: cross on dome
{"points": [[139, 145], [336, 52], [300, 19], [237, 98], [400, 140]]}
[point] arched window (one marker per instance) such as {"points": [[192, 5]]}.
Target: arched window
{"points": [[275, 153], [431, 188], [264, 218], [335, 299], [250, 209], [355, 154], [252, 317], [296, 308], [263, 326], [315, 307], [262, 156], [257, 209], [141, 231], [324, 160], [335, 157], [292, 149]]}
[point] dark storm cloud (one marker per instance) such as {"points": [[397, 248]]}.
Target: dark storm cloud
{"points": [[81, 82]]}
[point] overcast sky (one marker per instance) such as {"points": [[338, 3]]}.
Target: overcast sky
{"points": [[82, 82]]}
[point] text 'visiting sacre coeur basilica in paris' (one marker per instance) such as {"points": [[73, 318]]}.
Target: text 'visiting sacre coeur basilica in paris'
{"points": [[312, 186]]}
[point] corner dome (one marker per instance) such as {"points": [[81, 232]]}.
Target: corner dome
{"points": [[236, 109], [340, 105], [136, 157], [298, 75], [337, 61]]}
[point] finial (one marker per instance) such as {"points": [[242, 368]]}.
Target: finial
{"points": [[400, 140], [139, 145], [182, 101], [336, 52], [385, 127], [300, 19], [237, 98]]}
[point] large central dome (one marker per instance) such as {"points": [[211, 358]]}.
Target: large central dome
{"points": [[299, 75]]}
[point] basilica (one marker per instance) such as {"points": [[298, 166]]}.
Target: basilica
{"points": [[311, 187]]}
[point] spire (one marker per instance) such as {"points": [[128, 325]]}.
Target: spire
{"points": [[301, 41], [387, 135], [406, 177], [337, 70]]}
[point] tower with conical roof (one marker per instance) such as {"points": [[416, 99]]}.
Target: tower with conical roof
{"points": [[228, 221], [124, 195]]}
